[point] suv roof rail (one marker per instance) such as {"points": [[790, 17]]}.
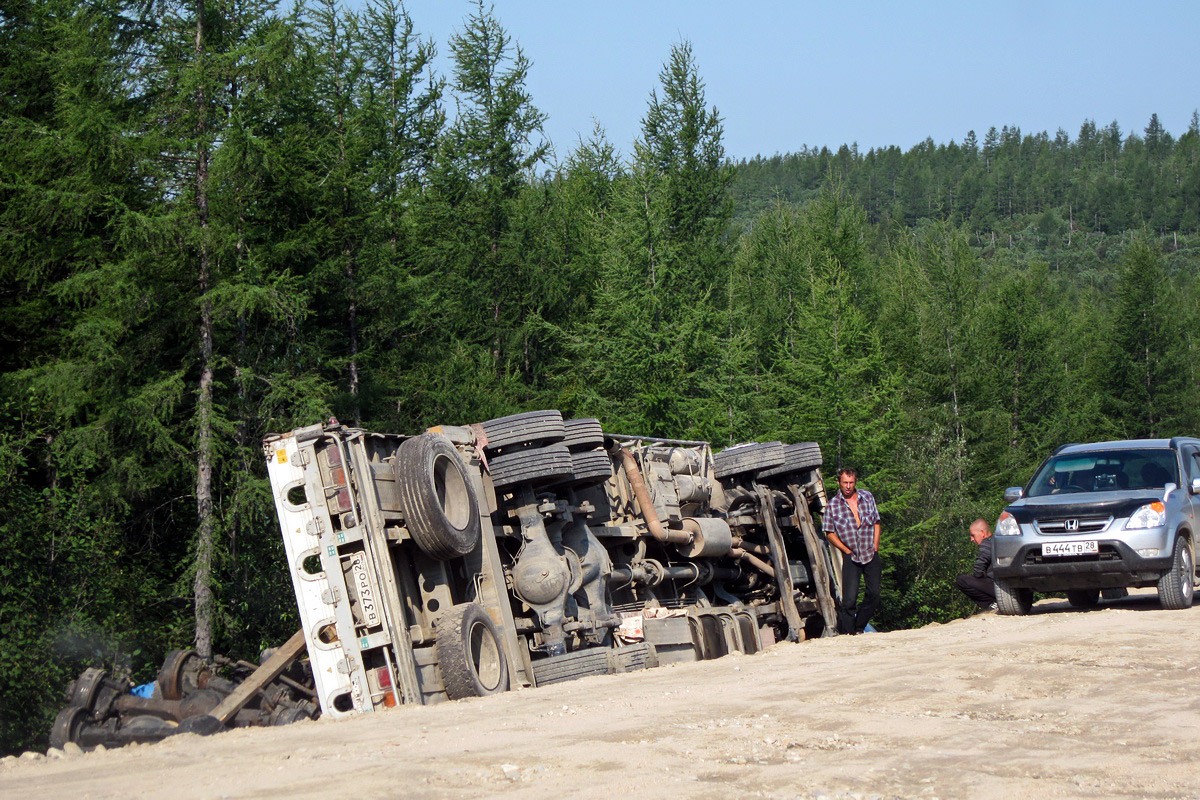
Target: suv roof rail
{"points": [[1062, 447], [1177, 440]]}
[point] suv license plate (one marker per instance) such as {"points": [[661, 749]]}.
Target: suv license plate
{"points": [[1070, 548]]}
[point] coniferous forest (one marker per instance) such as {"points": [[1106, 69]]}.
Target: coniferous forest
{"points": [[224, 218]]}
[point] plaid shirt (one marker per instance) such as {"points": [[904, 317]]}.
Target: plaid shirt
{"points": [[858, 536]]}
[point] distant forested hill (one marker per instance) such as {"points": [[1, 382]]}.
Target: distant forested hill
{"points": [[1103, 180]]}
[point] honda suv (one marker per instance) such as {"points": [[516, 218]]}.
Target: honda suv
{"points": [[1102, 516]]}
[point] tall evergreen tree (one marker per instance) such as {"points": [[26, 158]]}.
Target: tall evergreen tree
{"points": [[1143, 390], [659, 310]]}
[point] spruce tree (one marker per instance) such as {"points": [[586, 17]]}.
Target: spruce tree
{"points": [[656, 327]]}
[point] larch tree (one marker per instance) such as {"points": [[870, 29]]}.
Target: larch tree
{"points": [[660, 306]]}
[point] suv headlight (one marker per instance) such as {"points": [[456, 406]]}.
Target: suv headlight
{"points": [[1007, 525], [1151, 515]]}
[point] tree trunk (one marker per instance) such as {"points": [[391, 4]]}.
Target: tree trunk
{"points": [[202, 586]]}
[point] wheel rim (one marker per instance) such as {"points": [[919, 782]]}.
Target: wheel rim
{"points": [[485, 657], [1186, 578], [452, 492]]}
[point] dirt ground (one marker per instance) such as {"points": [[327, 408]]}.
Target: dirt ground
{"points": [[1063, 703]]}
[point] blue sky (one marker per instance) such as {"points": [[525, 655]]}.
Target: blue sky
{"points": [[788, 74]]}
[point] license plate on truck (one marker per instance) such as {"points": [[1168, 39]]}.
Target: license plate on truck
{"points": [[1070, 548], [366, 594]]}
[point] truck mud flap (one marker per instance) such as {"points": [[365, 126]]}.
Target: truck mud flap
{"points": [[718, 633]]}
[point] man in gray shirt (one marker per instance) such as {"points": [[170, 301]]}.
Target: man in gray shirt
{"points": [[979, 585]]}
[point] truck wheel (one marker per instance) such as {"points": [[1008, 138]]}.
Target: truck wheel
{"points": [[1176, 586], [82, 692], [796, 458], [748, 458], [440, 508], [1012, 602], [469, 652], [67, 725], [532, 427], [182, 673], [584, 433], [1083, 598], [533, 465], [570, 666], [591, 468]]}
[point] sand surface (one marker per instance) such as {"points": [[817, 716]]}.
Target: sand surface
{"points": [[1063, 703]]}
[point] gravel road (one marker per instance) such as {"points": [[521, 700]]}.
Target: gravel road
{"points": [[1063, 703]]}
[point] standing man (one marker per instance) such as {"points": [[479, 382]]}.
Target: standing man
{"points": [[852, 525], [979, 585]]}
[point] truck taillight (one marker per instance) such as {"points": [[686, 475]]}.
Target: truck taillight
{"points": [[385, 682]]}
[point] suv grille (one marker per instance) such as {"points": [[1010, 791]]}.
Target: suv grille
{"points": [[1081, 525], [1107, 553]]}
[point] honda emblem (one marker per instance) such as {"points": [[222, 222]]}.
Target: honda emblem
{"points": [[1071, 525]]}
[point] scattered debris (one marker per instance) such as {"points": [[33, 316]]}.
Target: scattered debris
{"points": [[189, 696]]}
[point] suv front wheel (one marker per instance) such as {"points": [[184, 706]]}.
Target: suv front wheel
{"points": [[1176, 586], [1012, 602]]}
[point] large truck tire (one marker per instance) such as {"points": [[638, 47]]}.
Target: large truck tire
{"points": [[584, 433], [591, 467], [532, 427], [796, 458], [550, 464], [441, 511], [751, 457], [571, 666], [469, 652]]}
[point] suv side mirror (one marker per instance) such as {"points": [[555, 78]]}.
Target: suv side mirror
{"points": [[1014, 493], [1195, 487]]}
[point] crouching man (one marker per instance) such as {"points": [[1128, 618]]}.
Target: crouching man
{"points": [[979, 585]]}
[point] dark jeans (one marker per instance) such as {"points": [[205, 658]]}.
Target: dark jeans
{"points": [[852, 617], [981, 590]]}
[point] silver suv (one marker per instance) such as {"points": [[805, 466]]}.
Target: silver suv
{"points": [[1102, 516]]}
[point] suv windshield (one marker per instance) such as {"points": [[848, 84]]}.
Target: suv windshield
{"points": [[1105, 471]]}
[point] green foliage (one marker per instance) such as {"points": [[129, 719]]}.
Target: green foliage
{"points": [[645, 352]]}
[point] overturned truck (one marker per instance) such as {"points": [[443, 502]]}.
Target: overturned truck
{"points": [[529, 550]]}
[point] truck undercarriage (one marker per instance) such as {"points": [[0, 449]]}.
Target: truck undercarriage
{"points": [[530, 550]]}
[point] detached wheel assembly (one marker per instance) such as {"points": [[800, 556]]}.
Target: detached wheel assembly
{"points": [[85, 688], [182, 672], [441, 511], [67, 725], [469, 653]]}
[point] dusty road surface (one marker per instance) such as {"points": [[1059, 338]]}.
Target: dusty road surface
{"points": [[1063, 703]]}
